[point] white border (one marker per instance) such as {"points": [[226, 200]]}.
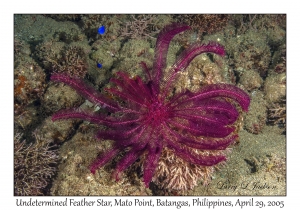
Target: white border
{"points": [[153, 6]]}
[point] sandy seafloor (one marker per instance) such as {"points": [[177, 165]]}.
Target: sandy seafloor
{"points": [[255, 166]]}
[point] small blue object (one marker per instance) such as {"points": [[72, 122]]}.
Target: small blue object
{"points": [[99, 65], [101, 30]]}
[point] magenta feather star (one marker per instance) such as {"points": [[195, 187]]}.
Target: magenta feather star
{"points": [[148, 119]]}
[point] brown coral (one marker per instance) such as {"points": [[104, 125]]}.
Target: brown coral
{"points": [[140, 26], [29, 84], [34, 165], [277, 114], [174, 173], [72, 60], [205, 23]]}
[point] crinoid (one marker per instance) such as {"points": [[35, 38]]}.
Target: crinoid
{"points": [[147, 117]]}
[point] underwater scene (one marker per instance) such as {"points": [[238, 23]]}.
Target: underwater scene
{"points": [[149, 104]]}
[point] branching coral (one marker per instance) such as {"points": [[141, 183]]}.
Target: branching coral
{"points": [[277, 114], [71, 60], [148, 117], [208, 23], [34, 165], [139, 27], [174, 173]]}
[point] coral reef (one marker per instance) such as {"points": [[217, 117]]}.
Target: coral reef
{"points": [[277, 114], [253, 43], [72, 60], [139, 27], [21, 48], [143, 26], [175, 173], [275, 88], [259, 22], [279, 60], [256, 118], [201, 71], [34, 166], [38, 28], [132, 53], [75, 179], [57, 132], [260, 161], [58, 96], [107, 53], [63, 58], [252, 52], [103, 56], [205, 23], [29, 87], [29, 83], [149, 117], [251, 80]]}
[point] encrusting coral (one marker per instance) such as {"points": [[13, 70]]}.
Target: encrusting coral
{"points": [[147, 119]]}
